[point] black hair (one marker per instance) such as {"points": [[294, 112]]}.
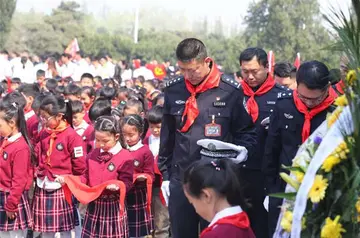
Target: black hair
{"points": [[37, 102], [66, 55], [87, 75], [142, 63], [157, 98], [106, 82], [77, 106], [2, 90], [60, 89], [155, 114], [283, 69], [13, 110], [72, 89], [17, 97], [190, 49], [238, 74], [314, 75], [111, 125], [151, 82], [249, 53], [107, 93], [141, 79], [51, 85], [218, 174], [118, 111], [29, 90], [335, 76], [124, 90], [98, 78], [137, 121], [40, 73], [57, 105], [100, 107], [4, 52], [135, 103], [90, 91], [16, 80]]}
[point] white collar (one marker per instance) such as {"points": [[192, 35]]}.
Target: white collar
{"points": [[29, 114], [116, 149], [83, 125], [152, 138], [14, 137], [136, 147], [225, 213]]}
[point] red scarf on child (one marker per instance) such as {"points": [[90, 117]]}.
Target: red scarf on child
{"points": [[85, 194], [310, 113], [240, 220], [149, 183], [191, 108], [53, 134], [251, 104]]}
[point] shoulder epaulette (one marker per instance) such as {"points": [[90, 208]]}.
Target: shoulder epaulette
{"points": [[173, 81], [230, 81], [287, 94], [283, 88]]}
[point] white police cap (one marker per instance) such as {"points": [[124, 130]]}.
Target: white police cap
{"points": [[219, 149]]}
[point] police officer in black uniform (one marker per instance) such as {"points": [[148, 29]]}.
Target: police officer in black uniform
{"points": [[289, 129], [261, 93], [201, 104]]}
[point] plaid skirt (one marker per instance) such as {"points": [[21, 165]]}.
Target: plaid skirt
{"points": [[103, 219], [140, 222], [23, 218], [52, 213]]}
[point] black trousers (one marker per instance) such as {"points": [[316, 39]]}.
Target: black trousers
{"points": [[253, 192], [183, 217]]}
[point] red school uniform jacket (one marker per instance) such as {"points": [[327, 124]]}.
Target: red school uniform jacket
{"points": [[15, 171], [67, 157], [102, 167], [32, 124], [143, 161], [89, 138]]}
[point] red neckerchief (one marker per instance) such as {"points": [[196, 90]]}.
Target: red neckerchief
{"points": [[149, 182], [309, 114], [191, 108], [53, 134], [340, 86], [251, 104], [239, 220]]}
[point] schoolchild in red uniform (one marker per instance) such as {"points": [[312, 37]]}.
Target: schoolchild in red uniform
{"points": [[212, 187], [100, 107], [59, 152], [81, 127], [16, 158], [140, 219], [87, 97], [108, 161], [30, 92]]}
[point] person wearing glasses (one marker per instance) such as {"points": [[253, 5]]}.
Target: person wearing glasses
{"points": [[295, 117], [261, 93]]}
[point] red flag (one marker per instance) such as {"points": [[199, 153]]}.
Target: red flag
{"points": [[159, 71], [297, 61], [72, 48], [271, 60]]}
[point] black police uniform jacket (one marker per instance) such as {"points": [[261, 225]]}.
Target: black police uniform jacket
{"points": [[178, 150]]}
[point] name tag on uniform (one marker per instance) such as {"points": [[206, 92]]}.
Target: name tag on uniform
{"points": [[219, 103], [78, 152], [213, 129]]}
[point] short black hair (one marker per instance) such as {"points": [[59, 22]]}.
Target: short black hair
{"points": [[190, 49], [151, 82], [77, 106], [51, 85], [16, 80], [155, 114], [101, 107], [29, 90], [60, 89], [249, 53], [107, 93], [87, 75], [40, 73], [314, 74], [66, 55], [283, 69], [335, 76], [72, 89]]}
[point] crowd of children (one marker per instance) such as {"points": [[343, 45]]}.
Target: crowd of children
{"points": [[93, 129]]}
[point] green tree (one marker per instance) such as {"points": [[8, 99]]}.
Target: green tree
{"points": [[288, 27], [7, 8]]}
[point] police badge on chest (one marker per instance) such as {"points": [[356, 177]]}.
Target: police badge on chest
{"points": [[212, 129]]}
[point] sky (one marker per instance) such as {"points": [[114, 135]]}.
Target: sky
{"points": [[231, 11]]}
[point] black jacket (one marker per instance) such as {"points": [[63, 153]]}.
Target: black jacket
{"points": [[178, 150]]}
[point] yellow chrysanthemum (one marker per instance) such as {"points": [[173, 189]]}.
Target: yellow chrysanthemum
{"points": [[332, 228], [317, 191], [299, 176], [334, 116], [330, 162], [357, 205], [341, 101], [351, 77], [286, 221]]}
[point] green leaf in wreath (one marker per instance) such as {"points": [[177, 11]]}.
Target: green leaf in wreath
{"points": [[288, 196]]}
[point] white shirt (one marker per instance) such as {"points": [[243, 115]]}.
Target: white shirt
{"points": [[24, 72], [5, 68], [136, 146], [82, 67], [147, 73], [81, 128], [115, 150], [230, 211], [68, 70], [126, 75], [14, 137], [154, 144]]}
